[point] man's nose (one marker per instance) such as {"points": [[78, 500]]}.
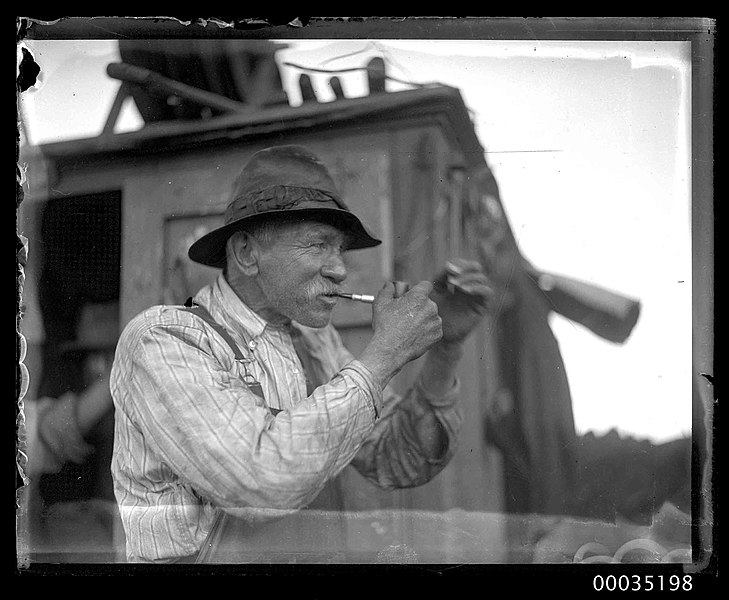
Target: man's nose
{"points": [[334, 268]]}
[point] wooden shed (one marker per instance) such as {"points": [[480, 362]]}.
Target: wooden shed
{"points": [[408, 163]]}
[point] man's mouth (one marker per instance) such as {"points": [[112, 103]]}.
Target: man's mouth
{"points": [[330, 297]]}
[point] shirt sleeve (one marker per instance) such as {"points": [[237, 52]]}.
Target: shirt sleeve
{"points": [[219, 437], [392, 457]]}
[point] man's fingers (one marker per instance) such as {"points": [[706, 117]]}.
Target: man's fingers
{"points": [[396, 289], [462, 265], [401, 288], [476, 283], [423, 287], [387, 291], [468, 278], [460, 271], [476, 289]]}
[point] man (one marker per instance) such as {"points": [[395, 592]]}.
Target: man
{"points": [[200, 433]]}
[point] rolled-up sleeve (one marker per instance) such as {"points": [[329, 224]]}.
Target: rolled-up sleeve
{"points": [[392, 456]]}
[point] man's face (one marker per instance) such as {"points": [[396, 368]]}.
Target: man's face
{"points": [[299, 270]]}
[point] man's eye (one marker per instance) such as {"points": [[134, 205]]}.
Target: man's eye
{"points": [[327, 246]]}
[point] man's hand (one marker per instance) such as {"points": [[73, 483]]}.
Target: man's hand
{"points": [[463, 294], [58, 429], [405, 327]]}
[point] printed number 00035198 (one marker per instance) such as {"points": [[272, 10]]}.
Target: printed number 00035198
{"points": [[646, 583]]}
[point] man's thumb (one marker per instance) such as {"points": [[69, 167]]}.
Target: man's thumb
{"points": [[387, 291], [401, 288]]}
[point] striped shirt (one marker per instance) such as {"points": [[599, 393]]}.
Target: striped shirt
{"points": [[191, 437]]}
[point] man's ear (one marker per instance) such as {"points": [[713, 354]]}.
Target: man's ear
{"points": [[242, 252]]}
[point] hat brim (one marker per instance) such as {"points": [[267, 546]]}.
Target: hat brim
{"points": [[209, 250]]}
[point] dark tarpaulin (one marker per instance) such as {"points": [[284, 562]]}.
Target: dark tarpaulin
{"points": [[529, 418], [532, 423], [551, 469], [548, 467]]}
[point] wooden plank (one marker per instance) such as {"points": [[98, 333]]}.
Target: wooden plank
{"points": [[156, 83], [121, 95]]}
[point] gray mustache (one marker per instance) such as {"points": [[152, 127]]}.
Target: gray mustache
{"points": [[321, 290]]}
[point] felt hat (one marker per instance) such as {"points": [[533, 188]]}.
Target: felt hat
{"points": [[281, 183]]}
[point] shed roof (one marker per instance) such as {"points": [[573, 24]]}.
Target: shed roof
{"points": [[443, 104]]}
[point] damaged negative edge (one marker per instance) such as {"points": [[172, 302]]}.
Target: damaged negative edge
{"points": [[220, 22], [27, 72], [21, 457]]}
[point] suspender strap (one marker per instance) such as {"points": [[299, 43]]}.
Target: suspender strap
{"points": [[212, 541], [205, 315], [220, 525], [213, 538]]}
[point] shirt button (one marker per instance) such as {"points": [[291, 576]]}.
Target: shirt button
{"points": [[252, 344]]}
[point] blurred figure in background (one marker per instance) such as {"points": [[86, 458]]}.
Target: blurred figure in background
{"points": [[69, 441]]}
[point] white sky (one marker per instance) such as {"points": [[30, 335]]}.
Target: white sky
{"points": [[608, 204]]}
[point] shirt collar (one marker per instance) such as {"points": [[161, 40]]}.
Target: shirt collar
{"points": [[234, 310]]}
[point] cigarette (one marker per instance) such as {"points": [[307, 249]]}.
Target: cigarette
{"points": [[359, 297]]}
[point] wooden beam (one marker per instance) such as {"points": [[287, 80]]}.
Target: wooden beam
{"points": [[156, 83], [121, 94]]}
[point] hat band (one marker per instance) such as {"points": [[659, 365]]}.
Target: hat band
{"points": [[279, 197]]}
